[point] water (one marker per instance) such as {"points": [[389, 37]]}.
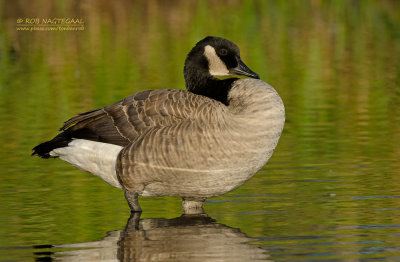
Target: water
{"points": [[331, 191]]}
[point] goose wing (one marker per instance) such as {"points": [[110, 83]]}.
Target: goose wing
{"points": [[123, 122]]}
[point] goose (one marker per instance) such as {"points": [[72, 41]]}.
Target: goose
{"points": [[194, 144]]}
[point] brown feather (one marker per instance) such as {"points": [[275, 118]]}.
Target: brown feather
{"points": [[123, 122]]}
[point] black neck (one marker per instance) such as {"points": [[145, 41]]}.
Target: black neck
{"points": [[206, 85]]}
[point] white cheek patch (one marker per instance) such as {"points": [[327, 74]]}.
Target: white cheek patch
{"points": [[216, 66]]}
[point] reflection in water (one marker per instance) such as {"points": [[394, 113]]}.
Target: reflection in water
{"points": [[185, 238]]}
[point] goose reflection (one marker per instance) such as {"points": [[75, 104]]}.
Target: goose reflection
{"points": [[185, 238]]}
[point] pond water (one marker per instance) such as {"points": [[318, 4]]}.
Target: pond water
{"points": [[331, 191]]}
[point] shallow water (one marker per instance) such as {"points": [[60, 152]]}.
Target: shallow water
{"points": [[331, 191]]}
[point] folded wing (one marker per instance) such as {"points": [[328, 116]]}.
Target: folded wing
{"points": [[123, 122]]}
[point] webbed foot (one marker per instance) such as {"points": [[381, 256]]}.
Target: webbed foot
{"points": [[192, 206]]}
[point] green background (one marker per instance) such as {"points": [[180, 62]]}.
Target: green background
{"points": [[331, 189]]}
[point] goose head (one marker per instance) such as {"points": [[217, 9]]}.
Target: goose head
{"points": [[212, 66]]}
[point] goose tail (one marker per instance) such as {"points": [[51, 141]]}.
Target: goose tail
{"points": [[43, 150]]}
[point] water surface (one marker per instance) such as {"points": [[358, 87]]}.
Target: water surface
{"points": [[331, 191]]}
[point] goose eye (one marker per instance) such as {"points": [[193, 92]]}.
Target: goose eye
{"points": [[223, 52]]}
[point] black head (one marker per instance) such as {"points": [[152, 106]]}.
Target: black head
{"points": [[212, 66]]}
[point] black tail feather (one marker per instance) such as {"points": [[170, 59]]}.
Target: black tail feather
{"points": [[62, 140], [43, 150], [94, 125]]}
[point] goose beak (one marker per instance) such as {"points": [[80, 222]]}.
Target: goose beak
{"points": [[242, 70]]}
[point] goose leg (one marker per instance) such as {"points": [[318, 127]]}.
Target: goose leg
{"points": [[193, 206], [133, 201]]}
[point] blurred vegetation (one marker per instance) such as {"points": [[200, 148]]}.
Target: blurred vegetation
{"points": [[336, 64]]}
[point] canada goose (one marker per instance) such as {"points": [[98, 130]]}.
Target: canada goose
{"points": [[193, 144]]}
